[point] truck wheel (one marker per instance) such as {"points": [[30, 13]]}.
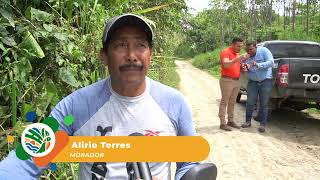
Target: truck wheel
{"points": [[298, 108], [238, 98]]}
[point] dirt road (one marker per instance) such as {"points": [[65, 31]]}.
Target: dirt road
{"points": [[290, 148]]}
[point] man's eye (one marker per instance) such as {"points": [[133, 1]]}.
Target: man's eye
{"points": [[142, 45], [121, 44]]}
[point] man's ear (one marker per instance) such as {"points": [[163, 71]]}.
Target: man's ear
{"points": [[151, 54], [104, 57]]}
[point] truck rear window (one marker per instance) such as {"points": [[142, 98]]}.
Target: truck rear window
{"points": [[285, 50]]}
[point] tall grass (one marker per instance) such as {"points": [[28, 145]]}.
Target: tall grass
{"points": [[209, 61]]}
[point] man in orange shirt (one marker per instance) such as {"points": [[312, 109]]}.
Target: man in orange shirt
{"points": [[229, 82]]}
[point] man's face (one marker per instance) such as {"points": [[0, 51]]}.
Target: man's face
{"points": [[251, 50], [237, 46], [128, 56]]}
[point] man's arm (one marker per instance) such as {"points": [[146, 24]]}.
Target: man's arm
{"points": [[14, 168], [185, 128], [226, 62], [269, 60]]}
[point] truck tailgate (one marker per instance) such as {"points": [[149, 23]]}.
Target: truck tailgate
{"points": [[304, 73]]}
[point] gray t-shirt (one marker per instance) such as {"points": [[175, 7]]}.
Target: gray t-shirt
{"points": [[99, 111]]}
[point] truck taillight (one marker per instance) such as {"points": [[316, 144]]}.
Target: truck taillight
{"points": [[283, 75]]}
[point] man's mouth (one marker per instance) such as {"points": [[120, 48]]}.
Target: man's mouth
{"points": [[131, 67]]}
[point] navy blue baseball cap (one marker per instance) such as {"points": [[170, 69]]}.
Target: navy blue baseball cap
{"points": [[123, 20]]}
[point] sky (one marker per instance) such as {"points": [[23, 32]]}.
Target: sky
{"points": [[197, 5]]}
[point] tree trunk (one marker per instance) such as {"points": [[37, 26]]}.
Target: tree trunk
{"points": [[284, 15], [255, 20], [293, 14], [270, 19], [307, 17], [252, 19]]}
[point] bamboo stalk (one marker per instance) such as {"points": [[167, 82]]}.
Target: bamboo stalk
{"points": [[13, 100]]}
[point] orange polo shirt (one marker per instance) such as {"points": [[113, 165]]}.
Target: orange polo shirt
{"points": [[231, 71]]}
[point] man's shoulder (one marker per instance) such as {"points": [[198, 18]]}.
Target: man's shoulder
{"points": [[225, 53], [225, 50], [91, 92], [262, 49], [97, 87]]}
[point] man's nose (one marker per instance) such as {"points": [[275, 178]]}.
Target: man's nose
{"points": [[131, 53]]}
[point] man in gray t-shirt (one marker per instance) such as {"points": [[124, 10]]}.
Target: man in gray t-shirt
{"points": [[125, 103]]}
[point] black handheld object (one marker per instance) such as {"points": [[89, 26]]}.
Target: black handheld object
{"points": [[205, 171], [138, 170]]}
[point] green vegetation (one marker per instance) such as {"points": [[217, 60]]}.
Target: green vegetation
{"points": [[48, 49], [215, 27], [209, 61], [252, 20]]}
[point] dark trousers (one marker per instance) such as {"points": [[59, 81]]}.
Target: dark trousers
{"points": [[263, 90]]}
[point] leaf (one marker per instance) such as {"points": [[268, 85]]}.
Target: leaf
{"points": [[49, 27], [13, 101], [43, 103], [39, 15], [27, 13], [69, 8], [22, 69], [8, 16], [76, 53], [3, 31], [66, 75], [20, 126], [60, 36], [4, 111], [8, 41], [32, 45], [50, 87], [70, 47], [25, 109], [82, 59], [2, 47], [59, 60]]}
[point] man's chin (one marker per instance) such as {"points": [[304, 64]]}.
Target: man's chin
{"points": [[133, 80]]}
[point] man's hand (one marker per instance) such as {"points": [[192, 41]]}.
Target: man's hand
{"points": [[254, 63], [227, 63], [244, 67]]}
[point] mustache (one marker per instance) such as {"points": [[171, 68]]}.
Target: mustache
{"points": [[131, 66]]}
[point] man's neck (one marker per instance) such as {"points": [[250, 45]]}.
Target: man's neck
{"points": [[129, 90]]}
